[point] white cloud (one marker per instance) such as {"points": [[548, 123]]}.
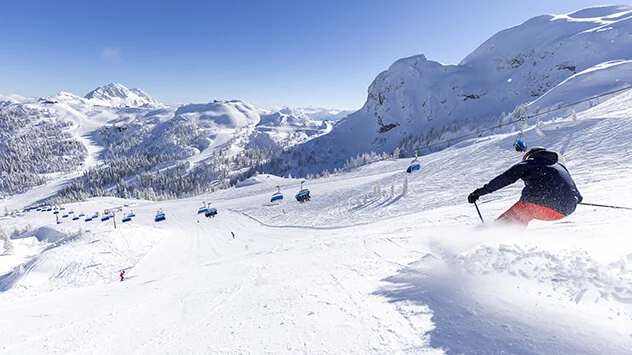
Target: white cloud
{"points": [[111, 53]]}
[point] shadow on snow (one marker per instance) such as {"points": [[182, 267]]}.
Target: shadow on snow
{"points": [[463, 325]]}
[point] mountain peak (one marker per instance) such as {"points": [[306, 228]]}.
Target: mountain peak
{"points": [[117, 95], [112, 89], [315, 113], [288, 111]]}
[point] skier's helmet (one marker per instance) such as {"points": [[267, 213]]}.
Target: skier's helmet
{"points": [[531, 151], [520, 146]]}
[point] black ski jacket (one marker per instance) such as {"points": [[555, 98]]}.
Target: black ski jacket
{"points": [[547, 182]]}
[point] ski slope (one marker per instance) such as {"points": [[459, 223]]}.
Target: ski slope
{"points": [[361, 268]]}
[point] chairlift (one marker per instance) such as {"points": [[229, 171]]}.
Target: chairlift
{"points": [[75, 218], [519, 145], [126, 219], [88, 219], [82, 214], [105, 218], [131, 214], [160, 216], [211, 212], [203, 209], [414, 165], [303, 195], [277, 195]]}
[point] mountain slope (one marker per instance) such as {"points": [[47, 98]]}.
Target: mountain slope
{"points": [[120, 140], [417, 101], [323, 114], [34, 143]]}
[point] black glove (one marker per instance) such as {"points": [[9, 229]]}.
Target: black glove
{"points": [[473, 197]]}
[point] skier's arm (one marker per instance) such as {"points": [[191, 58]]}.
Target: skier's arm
{"points": [[505, 179]]}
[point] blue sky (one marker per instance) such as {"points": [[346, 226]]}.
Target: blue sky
{"points": [[288, 52]]}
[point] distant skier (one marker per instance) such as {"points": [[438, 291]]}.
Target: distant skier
{"points": [[549, 194], [122, 275], [233, 234]]}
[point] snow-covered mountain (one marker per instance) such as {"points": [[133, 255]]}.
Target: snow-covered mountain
{"points": [[315, 113], [324, 114], [114, 133], [117, 95], [286, 128], [234, 125], [228, 114], [12, 98], [549, 60], [287, 117]]}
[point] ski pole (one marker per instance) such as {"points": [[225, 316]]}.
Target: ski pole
{"points": [[605, 206], [479, 213]]}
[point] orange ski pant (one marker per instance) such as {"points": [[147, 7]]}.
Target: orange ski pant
{"points": [[521, 213]]}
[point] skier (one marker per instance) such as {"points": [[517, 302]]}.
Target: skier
{"points": [[233, 234], [122, 275], [549, 194]]}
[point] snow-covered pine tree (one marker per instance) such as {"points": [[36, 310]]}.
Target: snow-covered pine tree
{"points": [[8, 244], [396, 153], [405, 187], [503, 118], [377, 191]]}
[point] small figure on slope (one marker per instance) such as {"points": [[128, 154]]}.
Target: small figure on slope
{"points": [[122, 275], [549, 194]]}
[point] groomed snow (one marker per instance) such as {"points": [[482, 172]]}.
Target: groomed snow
{"points": [[358, 269]]}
